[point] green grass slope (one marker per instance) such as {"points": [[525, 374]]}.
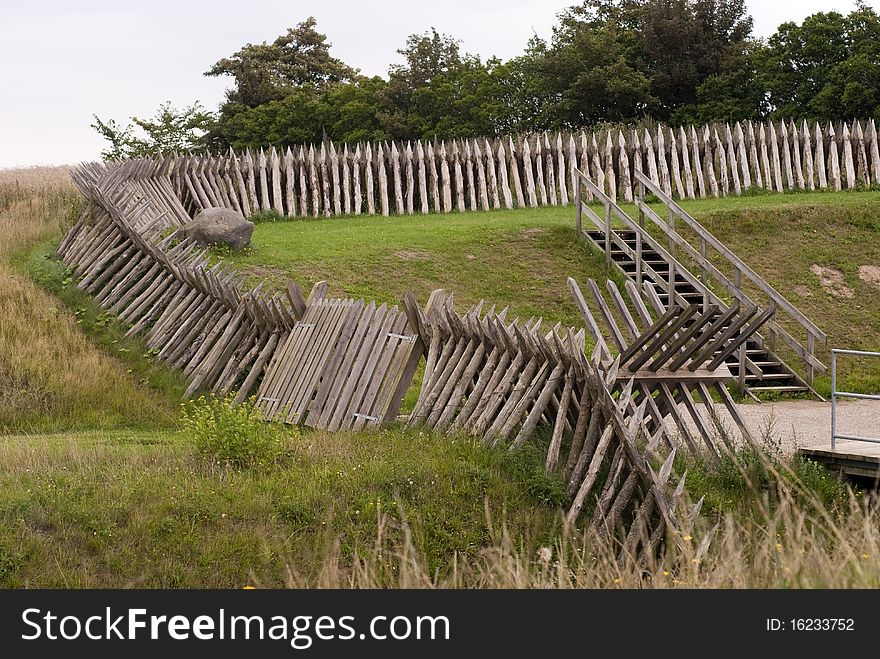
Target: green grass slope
{"points": [[522, 257]]}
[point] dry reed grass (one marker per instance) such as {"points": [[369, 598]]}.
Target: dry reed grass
{"points": [[51, 376]]}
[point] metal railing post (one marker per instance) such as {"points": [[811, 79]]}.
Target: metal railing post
{"points": [[835, 394], [833, 398]]}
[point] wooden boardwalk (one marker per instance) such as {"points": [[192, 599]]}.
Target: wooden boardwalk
{"points": [[861, 459]]}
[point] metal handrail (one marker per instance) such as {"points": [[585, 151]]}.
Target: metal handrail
{"points": [[847, 394]]}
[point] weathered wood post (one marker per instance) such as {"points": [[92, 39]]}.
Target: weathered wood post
{"points": [[445, 179], [753, 156], [459, 178], [722, 163], [623, 167], [481, 176], [469, 169], [709, 161], [382, 180], [423, 180], [289, 182], [875, 151], [313, 183], [502, 172], [848, 158], [551, 174], [765, 159], [357, 198], [651, 158], [561, 171], [527, 168], [598, 170], [731, 160], [786, 152], [410, 180], [277, 204], [665, 184], [325, 181], [743, 157], [821, 167], [368, 180], [514, 172], [433, 177], [610, 179], [397, 180], [777, 167], [674, 165], [264, 183], [809, 172], [334, 178], [686, 164], [862, 155], [796, 153], [303, 186], [835, 161], [491, 176], [539, 170]]}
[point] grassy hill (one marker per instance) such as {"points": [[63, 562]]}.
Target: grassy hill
{"points": [[522, 258], [102, 485]]}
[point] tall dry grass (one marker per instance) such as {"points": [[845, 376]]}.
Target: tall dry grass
{"points": [[791, 546], [51, 376]]}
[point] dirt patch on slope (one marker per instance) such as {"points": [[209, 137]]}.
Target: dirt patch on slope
{"points": [[832, 281], [528, 234], [870, 274], [412, 255]]}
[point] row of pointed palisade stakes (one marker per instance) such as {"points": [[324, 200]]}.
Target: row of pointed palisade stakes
{"points": [[613, 423], [531, 171]]}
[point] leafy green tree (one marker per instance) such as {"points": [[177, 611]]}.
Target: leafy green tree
{"points": [[587, 72], [828, 67], [268, 72], [170, 130]]}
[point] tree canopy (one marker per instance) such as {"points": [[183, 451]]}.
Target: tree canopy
{"points": [[682, 61]]}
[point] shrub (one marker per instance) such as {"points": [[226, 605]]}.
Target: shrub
{"points": [[235, 434]]}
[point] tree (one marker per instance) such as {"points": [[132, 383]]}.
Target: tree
{"points": [[268, 72], [414, 95], [828, 67], [170, 130], [587, 73]]}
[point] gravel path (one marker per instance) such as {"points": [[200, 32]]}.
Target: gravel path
{"points": [[802, 423]]}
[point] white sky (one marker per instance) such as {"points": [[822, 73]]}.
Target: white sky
{"points": [[62, 61]]}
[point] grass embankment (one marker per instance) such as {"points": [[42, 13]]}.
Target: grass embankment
{"points": [[522, 258], [143, 509], [52, 376]]}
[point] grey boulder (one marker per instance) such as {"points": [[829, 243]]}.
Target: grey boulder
{"points": [[220, 226]]}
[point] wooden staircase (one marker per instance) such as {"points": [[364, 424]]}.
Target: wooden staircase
{"points": [[776, 375], [697, 268]]}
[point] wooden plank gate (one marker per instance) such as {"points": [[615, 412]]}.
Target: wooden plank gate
{"points": [[344, 365]]}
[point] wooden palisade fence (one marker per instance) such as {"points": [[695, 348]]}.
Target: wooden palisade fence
{"points": [[456, 175], [615, 415]]}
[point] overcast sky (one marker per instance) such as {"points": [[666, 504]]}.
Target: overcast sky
{"points": [[62, 61]]}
